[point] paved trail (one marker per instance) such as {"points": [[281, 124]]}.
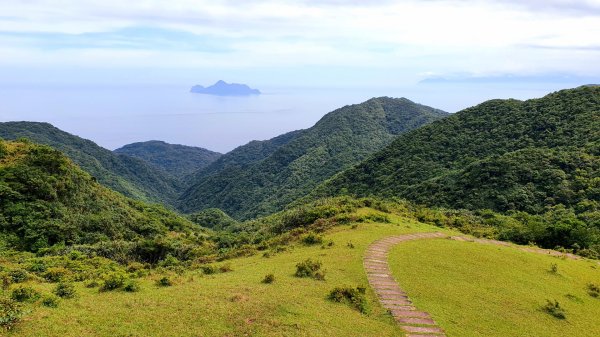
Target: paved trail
{"points": [[414, 322]]}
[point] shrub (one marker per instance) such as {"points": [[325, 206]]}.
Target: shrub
{"points": [[312, 239], [131, 286], [554, 268], [354, 297], [310, 268], [169, 261], [11, 313], [50, 301], [350, 245], [225, 268], [56, 274], [164, 282], [208, 269], [269, 278], [18, 275], [135, 267], [22, 294], [113, 281], [91, 284], [554, 309], [593, 290], [65, 290]]}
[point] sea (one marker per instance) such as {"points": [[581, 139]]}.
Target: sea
{"points": [[113, 116]]}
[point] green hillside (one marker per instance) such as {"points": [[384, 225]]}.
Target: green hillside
{"points": [[244, 156], [177, 160], [436, 274], [503, 155], [46, 200], [270, 175], [131, 176]]}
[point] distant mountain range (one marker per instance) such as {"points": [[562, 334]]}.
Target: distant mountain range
{"points": [[177, 160], [263, 177], [222, 88]]}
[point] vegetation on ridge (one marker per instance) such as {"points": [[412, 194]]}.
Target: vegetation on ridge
{"points": [[304, 159], [131, 176], [177, 160]]}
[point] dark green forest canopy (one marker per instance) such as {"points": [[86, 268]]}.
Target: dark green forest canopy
{"points": [[177, 160], [263, 177], [503, 155], [45, 200], [131, 176]]}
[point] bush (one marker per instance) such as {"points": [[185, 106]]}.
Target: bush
{"points": [[56, 274], [554, 309], [113, 281], [554, 268], [225, 268], [312, 239], [18, 275], [11, 313], [208, 269], [354, 297], [593, 290], [65, 290], [131, 286], [269, 278], [23, 294], [91, 284], [310, 268], [164, 282], [50, 301], [169, 261]]}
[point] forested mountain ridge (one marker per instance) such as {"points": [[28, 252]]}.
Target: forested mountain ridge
{"points": [[46, 200], [131, 176], [305, 158], [177, 160], [502, 154]]}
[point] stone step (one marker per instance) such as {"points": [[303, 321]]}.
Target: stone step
{"points": [[423, 329], [415, 320], [409, 313]]}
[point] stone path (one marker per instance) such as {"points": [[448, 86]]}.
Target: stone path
{"points": [[416, 323]]}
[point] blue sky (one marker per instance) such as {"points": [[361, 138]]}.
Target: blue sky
{"points": [[305, 43]]}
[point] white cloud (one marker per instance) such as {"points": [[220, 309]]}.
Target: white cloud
{"points": [[411, 36]]}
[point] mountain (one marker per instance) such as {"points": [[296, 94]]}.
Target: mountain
{"points": [[45, 200], [503, 155], [131, 176], [177, 160], [222, 88], [262, 177]]}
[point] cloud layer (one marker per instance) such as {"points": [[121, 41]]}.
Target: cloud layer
{"points": [[413, 39]]}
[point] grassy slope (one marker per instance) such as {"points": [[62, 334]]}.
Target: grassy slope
{"points": [[238, 304], [500, 292], [203, 305]]}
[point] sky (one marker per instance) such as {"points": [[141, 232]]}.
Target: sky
{"points": [[310, 42], [449, 54]]}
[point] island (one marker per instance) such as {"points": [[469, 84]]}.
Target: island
{"points": [[222, 88]]}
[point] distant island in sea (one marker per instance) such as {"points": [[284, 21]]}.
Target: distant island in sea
{"points": [[222, 88]]}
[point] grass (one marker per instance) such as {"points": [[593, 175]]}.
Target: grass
{"points": [[472, 289], [235, 303]]}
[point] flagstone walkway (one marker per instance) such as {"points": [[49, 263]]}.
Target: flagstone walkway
{"points": [[414, 322]]}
